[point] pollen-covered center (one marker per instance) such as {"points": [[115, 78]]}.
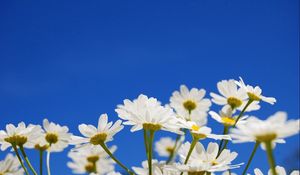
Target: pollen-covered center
{"points": [[151, 126], [197, 173], [90, 168], [228, 121], [234, 102], [41, 147], [98, 138], [266, 137], [170, 149], [195, 128], [189, 105], [253, 97], [213, 163], [51, 138], [16, 140], [93, 158]]}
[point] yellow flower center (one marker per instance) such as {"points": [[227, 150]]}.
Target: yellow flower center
{"points": [[253, 97], [234, 102], [189, 105], [195, 128], [197, 173], [266, 137], [170, 149], [98, 138], [92, 159], [16, 140], [228, 121], [151, 126], [214, 163], [90, 168], [41, 148], [51, 138]]}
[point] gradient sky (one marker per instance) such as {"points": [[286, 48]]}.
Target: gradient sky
{"points": [[70, 61]]}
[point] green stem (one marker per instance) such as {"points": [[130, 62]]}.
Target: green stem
{"points": [[173, 152], [271, 159], [41, 162], [225, 131], [151, 138], [114, 158], [251, 157], [146, 142], [20, 159], [193, 144], [27, 160], [242, 112]]}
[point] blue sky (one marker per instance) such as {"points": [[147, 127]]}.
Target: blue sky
{"points": [[70, 61]]}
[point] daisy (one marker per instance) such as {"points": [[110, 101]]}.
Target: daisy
{"points": [[254, 93], [233, 96], [226, 117], [20, 135], [273, 129], [102, 134], [91, 160], [10, 166], [280, 171], [165, 146], [148, 113], [157, 169], [202, 160], [190, 104]]}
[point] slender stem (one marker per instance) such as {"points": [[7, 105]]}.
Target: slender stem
{"points": [[174, 147], [146, 142], [48, 162], [27, 160], [114, 158], [151, 138], [41, 162], [271, 159], [193, 144], [251, 157], [20, 159], [225, 131], [242, 112]]}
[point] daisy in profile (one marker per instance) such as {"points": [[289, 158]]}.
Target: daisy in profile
{"points": [[191, 104], [202, 161], [165, 146], [255, 93], [10, 166], [91, 160], [226, 117], [279, 170], [233, 96]]}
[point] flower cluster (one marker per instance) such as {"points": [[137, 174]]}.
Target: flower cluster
{"points": [[185, 116]]}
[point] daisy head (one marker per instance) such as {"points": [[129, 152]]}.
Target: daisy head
{"points": [[279, 170], [96, 136], [165, 146], [226, 117], [190, 104], [148, 113], [58, 137], [20, 135], [274, 129], [254, 93], [232, 96], [10, 166], [158, 168]]}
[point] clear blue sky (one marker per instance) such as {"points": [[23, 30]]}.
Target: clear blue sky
{"points": [[70, 61]]}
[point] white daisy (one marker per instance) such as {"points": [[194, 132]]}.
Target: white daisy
{"points": [[273, 129], [191, 104], [10, 166], [165, 146], [254, 93], [149, 114], [157, 169], [20, 135], [233, 96], [226, 117], [102, 134], [91, 160], [280, 171], [201, 132], [202, 160], [58, 137]]}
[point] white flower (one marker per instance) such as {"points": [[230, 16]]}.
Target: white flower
{"points": [[254, 93], [91, 160], [58, 137], [280, 171], [191, 104], [147, 113], [226, 117], [114, 173], [10, 166], [274, 129], [202, 132], [165, 146], [95, 136], [19, 135], [233, 96], [157, 169], [202, 160]]}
